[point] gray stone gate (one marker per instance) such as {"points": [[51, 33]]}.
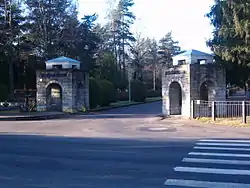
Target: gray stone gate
{"points": [[62, 86], [193, 76]]}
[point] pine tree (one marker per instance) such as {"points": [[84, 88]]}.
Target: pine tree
{"points": [[231, 37], [11, 28], [48, 21], [168, 48]]}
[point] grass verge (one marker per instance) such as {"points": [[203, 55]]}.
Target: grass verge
{"points": [[225, 121]]}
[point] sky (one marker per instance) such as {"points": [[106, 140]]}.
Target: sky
{"points": [[185, 18]]}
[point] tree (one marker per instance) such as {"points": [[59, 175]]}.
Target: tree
{"points": [[48, 21], [124, 22], [153, 59], [121, 19], [11, 27], [87, 42], [139, 53], [168, 48], [231, 38], [230, 42]]}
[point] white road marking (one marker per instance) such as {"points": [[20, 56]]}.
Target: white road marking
{"points": [[216, 140], [221, 144], [204, 184], [216, 161], [220, 154], [222, 148], [212, 170]]}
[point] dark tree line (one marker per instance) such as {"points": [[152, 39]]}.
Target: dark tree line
{"points": [[33, 31]]}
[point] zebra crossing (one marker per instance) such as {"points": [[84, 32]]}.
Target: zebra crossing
{"points": [[215, 163]]}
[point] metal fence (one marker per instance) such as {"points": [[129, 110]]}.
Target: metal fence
{"points": [[221, 109]]}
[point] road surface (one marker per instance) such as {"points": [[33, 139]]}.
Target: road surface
{"points": [[37, 161], [52, 162], [116, 148]]}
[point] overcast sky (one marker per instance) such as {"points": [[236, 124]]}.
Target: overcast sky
{"points": [[185, 18]]}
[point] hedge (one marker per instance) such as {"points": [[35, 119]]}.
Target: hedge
{"points": [[152, 93], [138, 91], [3, 92], [95, 93], [108, 92]]}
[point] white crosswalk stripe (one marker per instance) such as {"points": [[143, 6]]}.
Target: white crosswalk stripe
{"points": [[214, 163]]}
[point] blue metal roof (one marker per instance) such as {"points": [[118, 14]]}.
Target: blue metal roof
{"points": [[62, 60], [193, 52]]}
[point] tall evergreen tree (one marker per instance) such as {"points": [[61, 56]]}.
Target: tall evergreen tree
{"points": [[47, 22], [125, 20], [168, 48], [231, 37], [11, 27]]}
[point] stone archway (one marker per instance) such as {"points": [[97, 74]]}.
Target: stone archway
{"points": [[175, 98], [54, 97], [207, 91]]}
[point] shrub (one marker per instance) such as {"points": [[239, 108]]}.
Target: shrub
{"points": [[95, 93], [152, 93], [138, 91], [108, 92], [122, 96], [3, 92]]}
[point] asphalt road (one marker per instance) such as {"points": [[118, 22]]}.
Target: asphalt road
{"points": [[135, 111], [53, 162], [38, 161]]}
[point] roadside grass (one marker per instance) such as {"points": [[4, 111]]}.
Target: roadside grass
{"points": [[237, 121], [15, 111]]}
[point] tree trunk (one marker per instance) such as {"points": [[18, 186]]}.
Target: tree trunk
{"points": [[11, 79], [154, 79]]}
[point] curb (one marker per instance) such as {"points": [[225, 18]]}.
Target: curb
{"points": [[32, 117]]}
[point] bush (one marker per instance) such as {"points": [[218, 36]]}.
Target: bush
{"points": [[138, 91], [3, 92], [95, 93], [122, 96], [108, 92], [152, 93]]}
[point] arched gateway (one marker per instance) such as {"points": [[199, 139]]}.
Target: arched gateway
{"points": [[63, 86], [175, 97], [192, 76]]}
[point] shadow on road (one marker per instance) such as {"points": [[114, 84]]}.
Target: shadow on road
{"points": [[53, 162]]}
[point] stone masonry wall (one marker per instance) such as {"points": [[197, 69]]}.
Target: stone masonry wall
{"points": [[216, 76], [191, 77], [80, 91], [179, 74], [69, 81], [212, 73]]}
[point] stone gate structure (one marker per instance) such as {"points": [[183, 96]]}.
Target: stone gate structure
{"points": [[63, 86], [193, 76]]}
